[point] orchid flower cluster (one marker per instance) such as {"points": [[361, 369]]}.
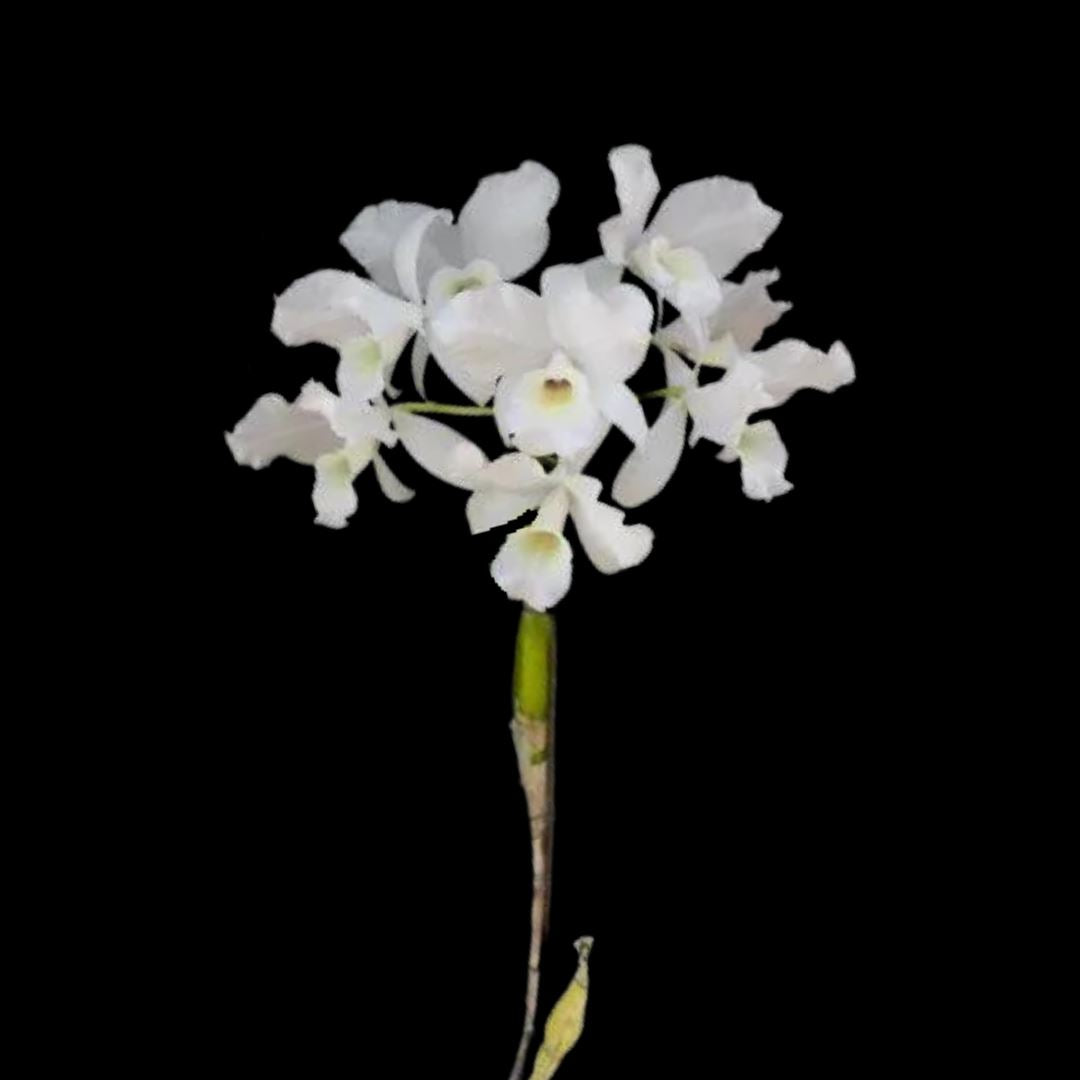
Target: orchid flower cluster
{"points": [[552, 368]]}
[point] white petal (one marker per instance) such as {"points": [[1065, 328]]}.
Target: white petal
{"points": [[439, 448], [553, 510], [747, 310], [317, 398], [617, 238], [407, 252], [793, 365], [691, 337], [620, 405], [512, 472], [374, 234], [508, 487], [763, 458], [636, 187], [334, 307], [681, 275], [484, 333], [574, 463], [652, 464], [418, 362], [361, 421], [448, 281], [722, 218], [721, 409], [610, 545], [274, 428], [505, 220], [636, 184], [360, 370], [549, 410], [489, 509], [678, 371], [534, 565], [606, 334], [391, 486], [333, 495], [601, 274]]}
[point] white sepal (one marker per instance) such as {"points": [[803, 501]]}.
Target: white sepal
{"points": [[620, 405], [391, 486], [606, 334], [407, 254], [439, 448], [722, 218], [793, 365], [636, 187], [652, 464], [334, 307], [610, 544], [372, 238], [274, 428], [506, 218]]}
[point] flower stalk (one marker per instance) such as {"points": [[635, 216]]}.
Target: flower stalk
{"points": [[533, 730], [445, 410]]}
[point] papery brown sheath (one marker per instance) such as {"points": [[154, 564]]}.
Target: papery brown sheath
{"points": [[533, 729]]}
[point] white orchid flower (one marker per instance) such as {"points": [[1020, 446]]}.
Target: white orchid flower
{"points": [[339, 437], [368, 327], [534, 564], [744, 314], [721, 412], [701, 232], [417, 251], [560, 360]]}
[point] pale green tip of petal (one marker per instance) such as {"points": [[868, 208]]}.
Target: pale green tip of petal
{"points": [[534, 665]]}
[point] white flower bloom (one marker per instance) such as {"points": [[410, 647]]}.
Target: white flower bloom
{"points": [[555, 365], [721, 410], [595, 340], [402, 245], [339, 437], [418, 252], [701, 232], [368, 327], [532, 564], [721, 413], [744, 314]]}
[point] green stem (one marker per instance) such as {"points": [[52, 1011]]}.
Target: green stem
{"points": [[446, 410], [666, 392], [487, 410]]}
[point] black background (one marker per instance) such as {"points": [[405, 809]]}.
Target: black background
{"points": [[737, 793]]}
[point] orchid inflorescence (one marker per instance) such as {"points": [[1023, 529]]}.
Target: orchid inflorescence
{"points": [[550, 368]]}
